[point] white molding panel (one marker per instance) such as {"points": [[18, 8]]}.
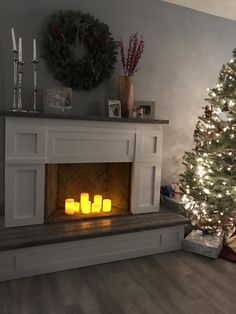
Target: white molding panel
{"points": [[89, 146], [56, 257], [145, 196], [24, 197]]}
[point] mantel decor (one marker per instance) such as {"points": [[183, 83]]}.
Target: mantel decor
{"points": [[79, 49], [130, 64]]}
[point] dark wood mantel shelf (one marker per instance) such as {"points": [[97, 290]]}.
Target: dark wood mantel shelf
{"points": [[78, 117]]}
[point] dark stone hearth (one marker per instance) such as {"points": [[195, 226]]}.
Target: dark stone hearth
{"points": [[19, 237]]}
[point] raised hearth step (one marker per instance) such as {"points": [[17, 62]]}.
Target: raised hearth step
{"points": [[22, 237]]}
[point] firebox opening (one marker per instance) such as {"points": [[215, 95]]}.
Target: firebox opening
{"points": [[69, 181]]}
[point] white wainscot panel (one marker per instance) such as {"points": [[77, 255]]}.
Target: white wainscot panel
{"points": [[145, 196], [149, 146], [68, 147], [24, 201], [25, 143]]}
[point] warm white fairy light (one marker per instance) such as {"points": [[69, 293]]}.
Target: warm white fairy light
{"points": [[224, 183], [219, 195], [207, 191], [232, 135]]}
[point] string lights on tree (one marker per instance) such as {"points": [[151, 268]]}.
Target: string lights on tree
{"points": [[209, 181]]}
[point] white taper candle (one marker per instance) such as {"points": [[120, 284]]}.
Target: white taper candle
{"points": [[34, 50], [20, 49], [13, 39]]}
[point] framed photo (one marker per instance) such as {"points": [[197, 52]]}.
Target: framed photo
{"points": [[114, 109], [145, 109], [58, 100]]}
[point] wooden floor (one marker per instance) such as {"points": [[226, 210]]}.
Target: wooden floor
{"points": [[170, 283]]}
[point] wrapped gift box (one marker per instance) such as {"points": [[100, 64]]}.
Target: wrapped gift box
{"points": [[207, 245]]}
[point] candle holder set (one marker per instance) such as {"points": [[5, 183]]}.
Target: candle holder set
{"points": [[86, 207], [18, 75], [18, 83]]}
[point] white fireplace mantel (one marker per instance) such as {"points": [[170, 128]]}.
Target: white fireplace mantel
{"points": [[31, 143]]}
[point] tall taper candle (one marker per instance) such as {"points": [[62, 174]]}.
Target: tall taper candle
{"points": [[14, 47], [20, 49], [34, 50]]}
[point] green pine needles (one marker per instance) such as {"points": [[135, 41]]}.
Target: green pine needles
{"points": [[79, 49], [209, 181]]}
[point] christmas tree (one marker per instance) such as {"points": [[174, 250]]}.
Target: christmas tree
{"points": [[209, 181]]}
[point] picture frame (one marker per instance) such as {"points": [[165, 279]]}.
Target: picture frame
{"points": [[145, 109], [58, 100], [114, 108]]}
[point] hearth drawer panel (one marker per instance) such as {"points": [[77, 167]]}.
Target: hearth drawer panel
{"points": [[24, 142], [148, 146], [145, 195], [75, 147], [24, 196]]}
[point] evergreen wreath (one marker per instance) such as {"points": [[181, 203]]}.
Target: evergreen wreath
{"points": [[79, 49]]}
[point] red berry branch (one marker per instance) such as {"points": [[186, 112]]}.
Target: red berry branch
{"points": [[134, 52]]}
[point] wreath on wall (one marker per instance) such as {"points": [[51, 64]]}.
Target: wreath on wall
{"points": [[79, 49]]}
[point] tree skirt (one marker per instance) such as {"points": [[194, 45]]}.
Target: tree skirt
{"points": [[229, 251]]}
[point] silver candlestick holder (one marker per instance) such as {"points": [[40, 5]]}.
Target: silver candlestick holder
{"points": [[35, 91], [20, 80], [15, 86]]}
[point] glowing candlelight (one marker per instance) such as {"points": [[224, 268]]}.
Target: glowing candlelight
{"points": [[106, 205], [13, 39], [76, 207], [98, 201], [86, 208], [69, 206], [96, 208]]}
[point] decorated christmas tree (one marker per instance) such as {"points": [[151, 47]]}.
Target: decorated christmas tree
{"points": [[209, 181]]}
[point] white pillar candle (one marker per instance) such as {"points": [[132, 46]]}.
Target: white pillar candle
{"points": [[76, 207], [20, 49], [69, 206], [34, 50], [106, 205], [98, 200], [13, 39]]}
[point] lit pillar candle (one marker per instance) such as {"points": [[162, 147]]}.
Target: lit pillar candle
{"points": [[98, 201], [69, 206], [76, 207], [84, 197], [86, 208], [106, 205], [96, 208]]}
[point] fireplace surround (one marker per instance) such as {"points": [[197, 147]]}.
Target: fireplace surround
{"points": [[33, 143]]}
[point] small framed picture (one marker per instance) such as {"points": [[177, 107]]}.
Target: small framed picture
{"points": [[145, 109], [58, 100], [114, 109]]}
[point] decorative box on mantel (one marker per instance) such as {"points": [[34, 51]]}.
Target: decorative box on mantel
{"points": [[34, 141], [207, 245]]}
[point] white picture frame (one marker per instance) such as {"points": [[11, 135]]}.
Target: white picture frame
{"points": [[149, 108], [114, 108]]}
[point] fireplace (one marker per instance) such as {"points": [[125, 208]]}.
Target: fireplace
{"points": [[43, 155], [65, 184]]}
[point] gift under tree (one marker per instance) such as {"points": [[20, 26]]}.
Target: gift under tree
{"points": [[209, 181]]}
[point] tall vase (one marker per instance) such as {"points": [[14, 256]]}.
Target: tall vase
{"points": [[126, 95]]}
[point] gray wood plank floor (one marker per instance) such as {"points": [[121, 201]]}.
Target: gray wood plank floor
{"points": [[170, 283]]}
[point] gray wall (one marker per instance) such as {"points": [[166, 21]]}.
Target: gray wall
{"points": [[184, 50]]}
